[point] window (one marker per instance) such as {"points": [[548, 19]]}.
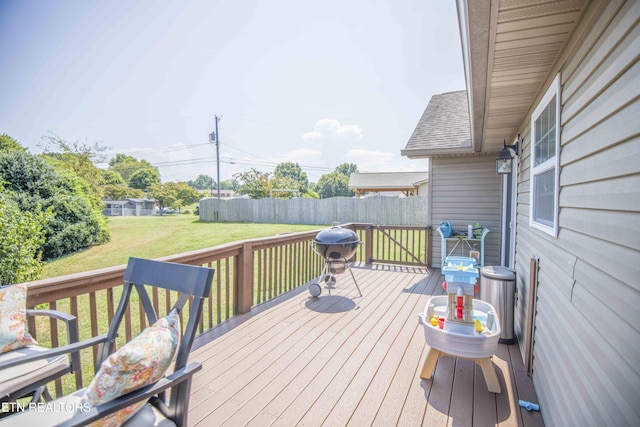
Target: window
{"points": [[545, 165]]}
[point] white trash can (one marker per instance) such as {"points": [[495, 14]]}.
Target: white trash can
{"points": [[498, 288]]}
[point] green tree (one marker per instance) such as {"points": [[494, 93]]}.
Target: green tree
{"points": [[78, 221], [254, 183], [164, 195], [336, 183], [202, 182], [258, 184], [229, 184], [184, 193], [21, 238], [284, 183], [127, 165], [144, 178], [124, 165], [9, 144], [347, 168], [311, 194], [294, 172], [121, 191], [110, 177], [78, 158], [174, 194]]}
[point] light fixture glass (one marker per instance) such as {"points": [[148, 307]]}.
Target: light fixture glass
{"points": [[504, 161]]}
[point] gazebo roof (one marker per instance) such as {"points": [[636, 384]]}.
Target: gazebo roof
{"points": [[406, 182]]}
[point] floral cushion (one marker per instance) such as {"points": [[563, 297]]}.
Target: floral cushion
{"points": [[140, 362], [13, 318]]}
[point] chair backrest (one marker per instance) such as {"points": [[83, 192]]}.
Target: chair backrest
{"points": [[192, 282]]}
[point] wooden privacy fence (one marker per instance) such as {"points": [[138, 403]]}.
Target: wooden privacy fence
{"points": [[375, 210], [248, 273]]}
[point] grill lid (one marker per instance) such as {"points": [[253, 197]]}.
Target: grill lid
{"points": [[337, 235]]}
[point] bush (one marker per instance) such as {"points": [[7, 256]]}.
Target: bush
{"points": [[77, 218], [21, 238]]}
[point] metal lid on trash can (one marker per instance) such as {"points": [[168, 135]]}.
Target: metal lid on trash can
{"points": [[498, 272]]}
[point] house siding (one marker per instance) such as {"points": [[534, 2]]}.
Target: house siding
{"points": [[465, 192], [587, 325]]}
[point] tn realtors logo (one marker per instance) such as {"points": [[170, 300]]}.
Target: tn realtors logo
{"points": [[46, 407]]}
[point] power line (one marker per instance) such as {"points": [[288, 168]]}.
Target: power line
{"points": [[137, 122], [156, 150]]}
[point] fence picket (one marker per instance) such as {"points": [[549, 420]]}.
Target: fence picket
{"points": [[411, 211]]}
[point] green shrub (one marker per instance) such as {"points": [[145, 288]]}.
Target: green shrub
{"points": [[77, 212], [21, 238]]}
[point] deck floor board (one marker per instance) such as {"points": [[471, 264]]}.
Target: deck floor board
{"points": [[345, 359]]}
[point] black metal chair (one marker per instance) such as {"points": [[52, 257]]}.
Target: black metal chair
{"points": [[19, 379], [193, 284]]}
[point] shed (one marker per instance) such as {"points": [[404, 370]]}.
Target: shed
{"points": [[130, 207]]}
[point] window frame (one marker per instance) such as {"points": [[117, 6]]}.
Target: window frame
{"points": [[553, 163]]}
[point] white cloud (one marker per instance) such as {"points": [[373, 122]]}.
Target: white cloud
{"points": [[312, 136], [383, 161], [371, 160], [331, 130], [303, 156], [349, 131]]}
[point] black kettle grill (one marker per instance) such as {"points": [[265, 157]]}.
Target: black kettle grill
{"points": [[337, 246]]}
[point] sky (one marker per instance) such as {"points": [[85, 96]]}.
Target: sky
{"points": [[318, 83]]}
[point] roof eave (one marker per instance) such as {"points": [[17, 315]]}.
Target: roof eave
{"points": [[474, 23], [437, 152]]}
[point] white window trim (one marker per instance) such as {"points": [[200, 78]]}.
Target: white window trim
{"points": [[554, 89]]}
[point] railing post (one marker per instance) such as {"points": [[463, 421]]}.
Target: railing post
{"points": [[429, 236], [368, 244], [243, 300]]}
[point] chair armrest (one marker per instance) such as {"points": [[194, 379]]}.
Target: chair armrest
{"points": [[143, 394], [73, 335], [65, 349], [66, 317]]}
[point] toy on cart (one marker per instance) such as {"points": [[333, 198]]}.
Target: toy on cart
{"points": [[461, 276]]}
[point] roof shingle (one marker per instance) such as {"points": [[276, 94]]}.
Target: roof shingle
{"points": [[443, 125]]}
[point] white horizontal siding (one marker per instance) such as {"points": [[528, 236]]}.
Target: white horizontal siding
{"points": [[465, 191], [587, 330]]}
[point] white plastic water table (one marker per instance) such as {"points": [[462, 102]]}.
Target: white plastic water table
{"points": [[477, 346], [457, 338]]}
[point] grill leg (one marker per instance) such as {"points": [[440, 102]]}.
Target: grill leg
{"points": [[325, 270], [353, 276]]}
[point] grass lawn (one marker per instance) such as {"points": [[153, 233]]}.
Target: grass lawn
{"points": [[145, 237], [158, 236]]}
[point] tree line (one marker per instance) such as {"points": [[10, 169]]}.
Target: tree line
{"points": [[289, 180], [51, 203]]}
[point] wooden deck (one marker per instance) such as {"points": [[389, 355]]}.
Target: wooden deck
{"points": [[342, 359]]}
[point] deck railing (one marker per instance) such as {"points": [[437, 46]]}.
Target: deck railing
{"points": [[407, 245], [248, 273]]}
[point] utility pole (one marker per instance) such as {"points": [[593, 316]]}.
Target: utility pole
{"points": [[215, 138]]}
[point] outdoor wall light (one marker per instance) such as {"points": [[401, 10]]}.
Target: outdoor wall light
{"points": [[504, 161]]}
